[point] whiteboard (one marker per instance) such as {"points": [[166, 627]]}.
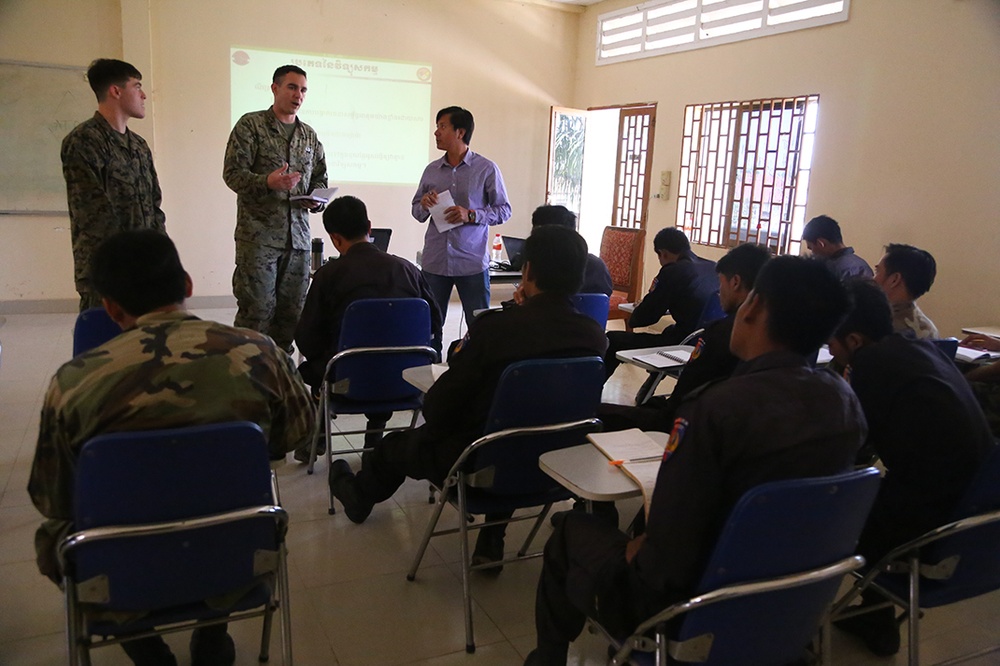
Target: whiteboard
{"points": [[39, 105]]}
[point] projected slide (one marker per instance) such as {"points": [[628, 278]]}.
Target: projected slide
{"points": [[372, 116]]}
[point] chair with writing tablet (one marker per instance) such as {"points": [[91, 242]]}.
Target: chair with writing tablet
{"points": [[532, 413], [770, 579], [93, 328]]}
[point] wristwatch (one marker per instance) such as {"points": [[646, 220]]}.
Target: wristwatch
{"points": [[472, 216]]}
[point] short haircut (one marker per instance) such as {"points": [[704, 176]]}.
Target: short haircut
{"points": [[348, 217], [460, 119], [671, 239], [557, 256], [744, 260], [917, 267], [822, 226], [805, 302], [139, 270], [286, 69], [870, 313], [559, 215], [105, 72]]}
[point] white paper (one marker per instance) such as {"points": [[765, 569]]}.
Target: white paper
{"points": [[969, 355], [824, 357], [445, 201], [320, 194], [627, 445], [665, 359]]}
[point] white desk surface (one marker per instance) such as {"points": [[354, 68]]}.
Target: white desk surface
{"points": [[587, 473], [989, 331], [629, 355], [627, 307], [424, 376]]}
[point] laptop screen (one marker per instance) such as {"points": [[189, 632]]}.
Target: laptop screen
{"points": [[515, 252], [380, 238]]}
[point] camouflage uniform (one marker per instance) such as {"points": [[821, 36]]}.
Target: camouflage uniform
{"points": [[272, 235], [111, 186], [171, 370]]}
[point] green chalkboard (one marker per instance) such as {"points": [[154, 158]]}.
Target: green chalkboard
{"points": [[39, 105]]}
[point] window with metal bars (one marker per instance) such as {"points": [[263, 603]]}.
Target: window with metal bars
{"points": [[660, 27], [744, 173]]}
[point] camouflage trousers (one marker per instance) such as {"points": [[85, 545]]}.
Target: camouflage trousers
{"points": [[270, 287]]}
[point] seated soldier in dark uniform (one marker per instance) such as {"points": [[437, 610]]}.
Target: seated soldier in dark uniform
{"points": [[456, 407], [711, 359], [775, 418], [361, 271], [596, 277], [682, 287], [924, 425]]}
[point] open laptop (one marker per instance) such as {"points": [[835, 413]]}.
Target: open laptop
{"points": [[380, 238], [515, 252]]}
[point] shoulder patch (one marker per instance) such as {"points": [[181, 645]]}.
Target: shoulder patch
{"points": [[676, 436], [698, 346]]}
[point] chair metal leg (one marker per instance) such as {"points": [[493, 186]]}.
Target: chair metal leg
{"points": [[265, 633], [428, 533], [913, 614], [825, 638], [648, 387], [534, 529], [72, 623], [463, 529], [285, 607], [325, 415]]}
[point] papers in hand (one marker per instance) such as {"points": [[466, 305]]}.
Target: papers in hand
{"points": [[635, 453], [319, 195], [666, 358], [970, 355], [445, 201]]}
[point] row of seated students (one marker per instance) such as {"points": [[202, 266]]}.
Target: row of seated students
{"points": [[170, 369]]}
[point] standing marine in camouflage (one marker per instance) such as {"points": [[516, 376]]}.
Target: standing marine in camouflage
{"points": [[167, 369], [111, 184], [271, 156]]}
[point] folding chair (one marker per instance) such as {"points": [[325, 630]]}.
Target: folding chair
{"points": [[379, 338], [951, 563], [93, 328], [177, 528], [594, 306], [539, 406], [712, 311], [771, 577]]}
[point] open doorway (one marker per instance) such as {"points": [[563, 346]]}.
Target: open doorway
{"points": [[599, 166]]}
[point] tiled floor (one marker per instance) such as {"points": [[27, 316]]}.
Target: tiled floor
{"points": [[351, 603]]}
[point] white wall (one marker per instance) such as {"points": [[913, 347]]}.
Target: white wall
{"points": [[907, 146], [505, 61]]}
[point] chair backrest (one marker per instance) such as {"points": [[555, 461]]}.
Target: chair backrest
{"points": [[712, 311], [621, 251], [536, 393], [381, 322], [594, 306], [949, 346], [774, 530], [135, 478], [974, 552], [380, 238], [93, 328]]}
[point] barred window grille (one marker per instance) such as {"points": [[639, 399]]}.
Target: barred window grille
{"points": [[744, 173], [670, 26]]}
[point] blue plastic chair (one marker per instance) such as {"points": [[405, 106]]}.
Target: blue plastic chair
{"points": [[711, 312], [93, 328], [539, 406], [772, 575], [948, 346], [948, 564], [168, 519], [594, 306], [379, 338]]}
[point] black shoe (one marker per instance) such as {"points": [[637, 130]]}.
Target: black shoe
{"points": [[344, 488], [877, 629], [489, 548], [302, 453], [149, 651], [212, 646]]}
